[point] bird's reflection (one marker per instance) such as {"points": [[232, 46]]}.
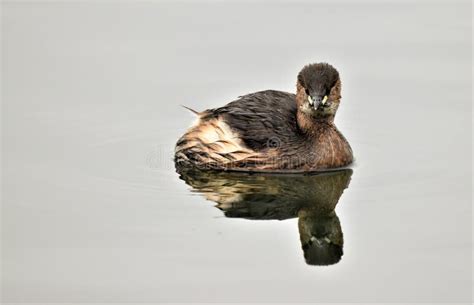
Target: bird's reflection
{"points": [[311, 198]]}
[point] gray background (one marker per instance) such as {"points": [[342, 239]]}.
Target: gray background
{"points": [[92, 210]]}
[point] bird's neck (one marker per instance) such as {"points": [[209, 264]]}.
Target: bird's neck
{"points": [[313, 124]]}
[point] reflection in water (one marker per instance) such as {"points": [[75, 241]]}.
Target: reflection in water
{"points": [[311, 198]]}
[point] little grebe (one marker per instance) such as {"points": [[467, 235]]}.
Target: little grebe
{"points": [[272, 130]]}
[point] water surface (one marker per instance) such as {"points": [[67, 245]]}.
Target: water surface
{"points": [[93, 210]]}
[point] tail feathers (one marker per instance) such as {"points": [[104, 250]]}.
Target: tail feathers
{"points": [[192, 110]]}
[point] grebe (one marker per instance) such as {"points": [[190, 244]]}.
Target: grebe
{"points": [[271, 130]]}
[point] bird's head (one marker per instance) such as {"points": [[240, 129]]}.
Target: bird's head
{"points": [[318, 90]]}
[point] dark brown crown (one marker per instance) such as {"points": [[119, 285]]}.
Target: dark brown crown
{"points": [[319, 77]]}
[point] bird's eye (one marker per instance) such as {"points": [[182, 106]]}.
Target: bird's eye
{"points": [[325, 98]]}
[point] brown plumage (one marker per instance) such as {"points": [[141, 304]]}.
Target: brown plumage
{"points": [[272, 130]]}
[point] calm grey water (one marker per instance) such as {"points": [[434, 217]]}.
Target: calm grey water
{"points": [[93, 211]]}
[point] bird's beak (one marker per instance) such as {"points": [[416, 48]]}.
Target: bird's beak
{"points": [[315, 101]]}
